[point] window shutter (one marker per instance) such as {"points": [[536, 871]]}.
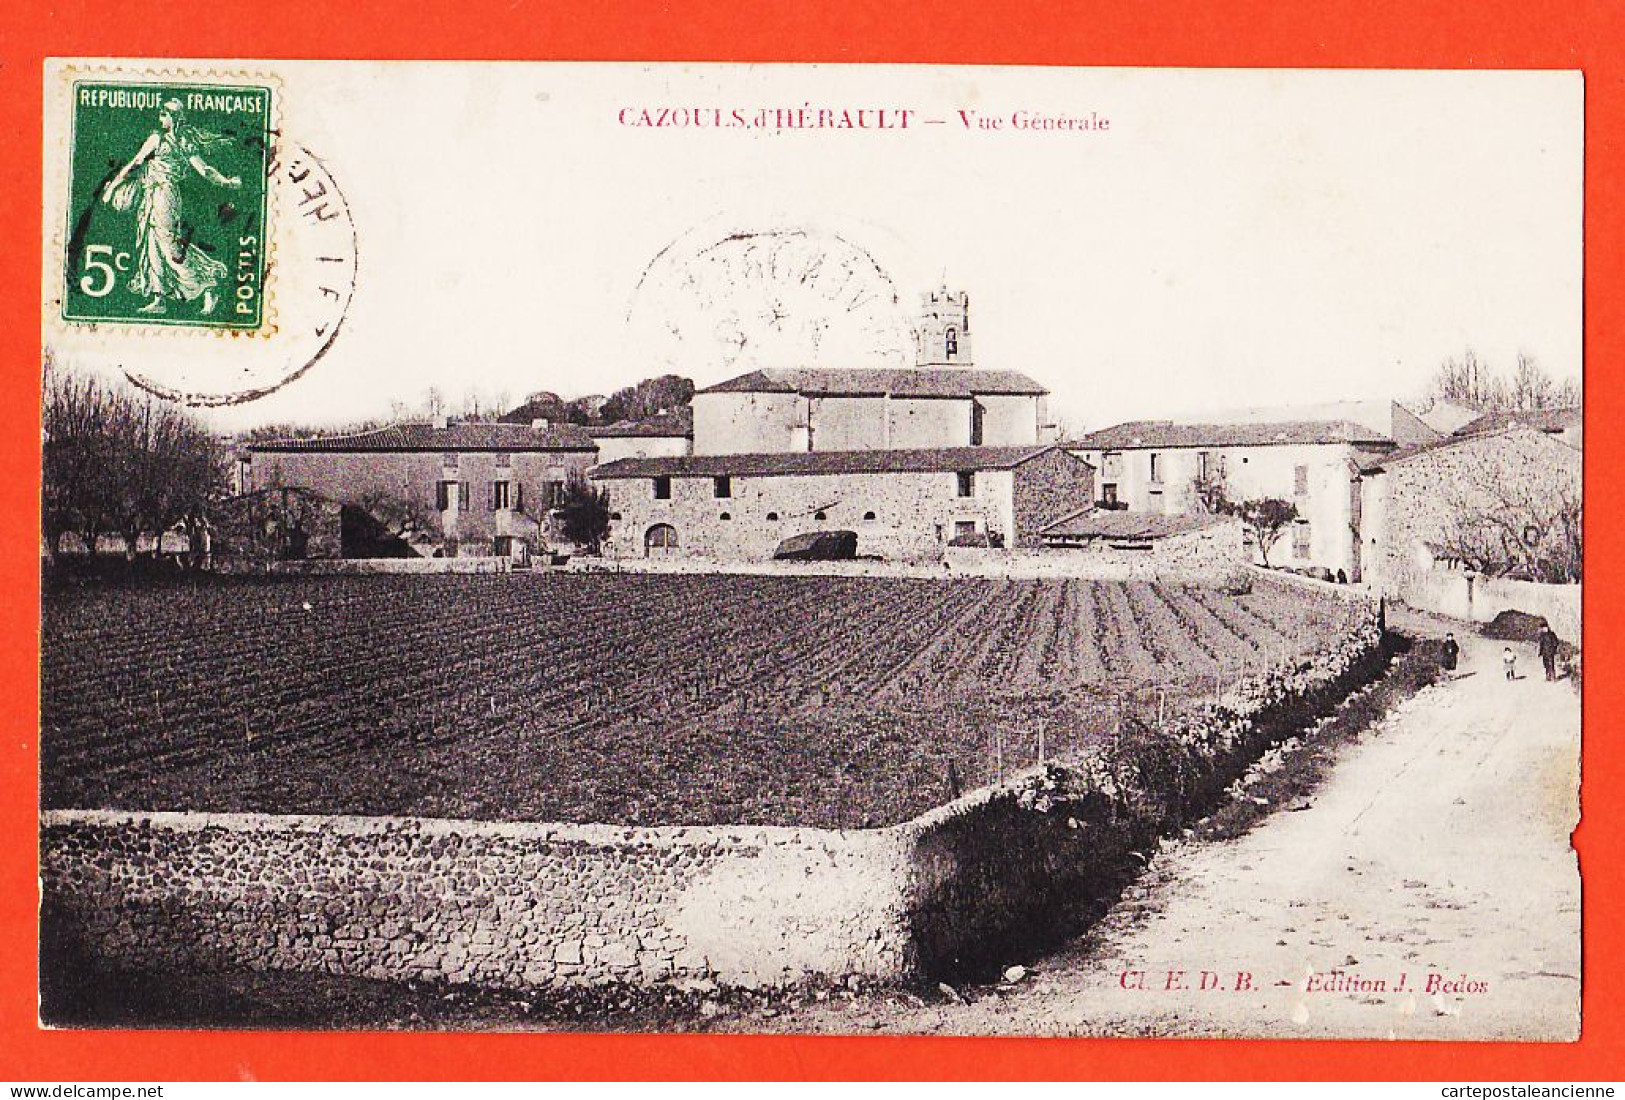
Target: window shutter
{"points": [[491, 501], [462, 494], [519, 505]]}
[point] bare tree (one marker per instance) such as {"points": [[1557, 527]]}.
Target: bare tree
{"points": [[400, 514], [1502, 524], [118, 462], [1470, 381], [78, 482]]}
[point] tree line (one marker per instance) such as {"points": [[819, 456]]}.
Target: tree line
{"points": [[117, 461], [1528, 387]]}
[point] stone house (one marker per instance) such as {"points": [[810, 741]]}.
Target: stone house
{"points": [[1157, 466], [481, 488], [815, 409], [904, 504], [1414, 498]]}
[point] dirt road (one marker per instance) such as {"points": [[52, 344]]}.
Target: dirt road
{"points": [[1427, 891]]}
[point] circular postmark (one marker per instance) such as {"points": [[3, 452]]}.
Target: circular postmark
{"points": [[309, 273], [767, 296]]}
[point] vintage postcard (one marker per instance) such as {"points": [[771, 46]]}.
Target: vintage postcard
{"points": [[814, 549]]}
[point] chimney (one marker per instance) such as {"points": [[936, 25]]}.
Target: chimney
{"points": [[540, 424]]}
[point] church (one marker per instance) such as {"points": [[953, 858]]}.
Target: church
{"points": [[911, 459], [943, 401]]}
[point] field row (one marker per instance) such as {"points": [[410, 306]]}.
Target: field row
{"points": [[636, 698]]}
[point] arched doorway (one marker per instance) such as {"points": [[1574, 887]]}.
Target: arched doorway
{"points": [[660, 541]]}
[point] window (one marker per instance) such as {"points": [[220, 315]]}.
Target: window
{"points": [[951, 342], [1108, 493], [722, 487], [976, 415], [662, 486], [1156, 468], [963, 527], [449, 459], [967, 483], [726, 515], [820, 515], [1202, 465], [1300, 538], [445, 492], [1300, 480], [616, 516], [552, 494], [868, 517], [504, 460], [773, 517], [499, 496]]}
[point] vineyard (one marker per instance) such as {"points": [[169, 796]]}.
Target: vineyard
{"points": [[637, 699]]}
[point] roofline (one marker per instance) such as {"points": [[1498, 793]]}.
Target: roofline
{"points": [[1079, 445], [1454, 440], [715, 465], [290, 446]]}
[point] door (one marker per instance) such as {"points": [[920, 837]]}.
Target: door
{"points": [[660, 541]]}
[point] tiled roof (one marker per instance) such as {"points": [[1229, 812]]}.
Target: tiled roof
{"points": [[903, 382], [932, 460], [1103, 523], [1542, 420], [654, 427], [1403, 454], [1165, 433], [481, 436]]}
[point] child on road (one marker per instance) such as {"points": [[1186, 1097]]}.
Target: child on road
{"points": [[1509, 661]]}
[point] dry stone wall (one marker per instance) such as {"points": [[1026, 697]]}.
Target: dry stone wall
{"points": [[509, 906]]}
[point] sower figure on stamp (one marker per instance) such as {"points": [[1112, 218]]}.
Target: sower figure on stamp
{"points": [[168, 264], [1547, 642]]}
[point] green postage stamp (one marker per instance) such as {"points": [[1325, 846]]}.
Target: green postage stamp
{"points": [[167, 204]]}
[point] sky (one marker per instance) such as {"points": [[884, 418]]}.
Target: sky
{"points": [[1233, 238]]}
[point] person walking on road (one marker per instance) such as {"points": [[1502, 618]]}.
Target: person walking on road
{"points": [[1547, 643], [1509, 661], [1448, 655]]}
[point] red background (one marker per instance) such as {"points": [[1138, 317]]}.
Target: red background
{"points": [[1246, 33]]}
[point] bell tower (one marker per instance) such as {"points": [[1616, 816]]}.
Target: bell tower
{"points": [[944, 329]]}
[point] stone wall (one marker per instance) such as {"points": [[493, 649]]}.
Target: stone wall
{"points": [[1048, 488], [509, 906], [1414, 501], [1479, 599], [551, 907], [897, 516]]}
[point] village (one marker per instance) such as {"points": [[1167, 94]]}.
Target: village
{"points": [[703, 702], [1452, 510]]}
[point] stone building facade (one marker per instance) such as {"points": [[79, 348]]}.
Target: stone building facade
{"points": [[1412, 498], [1155, 466], [813, 409], [481, 488], [904, 504]]}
